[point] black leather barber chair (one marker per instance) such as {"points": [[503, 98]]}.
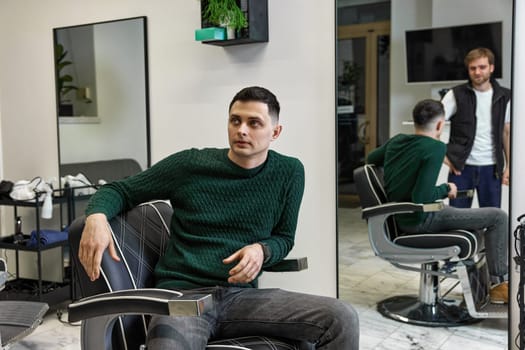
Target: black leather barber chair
{"points": [[456, 254], [141, 236]]}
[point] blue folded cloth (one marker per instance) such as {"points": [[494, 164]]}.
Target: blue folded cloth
{"points": [[46, 237]]}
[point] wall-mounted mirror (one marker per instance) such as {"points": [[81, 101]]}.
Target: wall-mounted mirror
{"points": [[374, 102], [102, 93]]}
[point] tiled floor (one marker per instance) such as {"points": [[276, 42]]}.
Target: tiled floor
{"points": [[51, 335], [364, 280]]}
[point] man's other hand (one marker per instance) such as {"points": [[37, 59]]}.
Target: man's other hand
{"points": [[505, 179], [250, 259], [453, 193], [96, 237], [453, 170]]}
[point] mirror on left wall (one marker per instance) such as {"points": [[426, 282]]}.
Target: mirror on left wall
{"points": [[102, 99]]}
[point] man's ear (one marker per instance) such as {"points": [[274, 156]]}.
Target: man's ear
{"points": [[276, 131], [491, 68], [440, 125]]}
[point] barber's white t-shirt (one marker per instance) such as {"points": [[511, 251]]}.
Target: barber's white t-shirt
{"points": [[483, 149]]}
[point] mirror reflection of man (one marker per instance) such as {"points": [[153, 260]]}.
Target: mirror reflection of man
{"points": [[478, 149]]}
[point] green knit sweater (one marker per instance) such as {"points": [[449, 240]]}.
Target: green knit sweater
{"points": [[218, 208], [411, 167]]}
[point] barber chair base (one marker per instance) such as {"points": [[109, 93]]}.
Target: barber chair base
{"points": [[408, 309]]}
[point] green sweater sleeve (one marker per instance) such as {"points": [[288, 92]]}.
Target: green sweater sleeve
{"points": [[282, 237], [153, 183], [377, 156]]}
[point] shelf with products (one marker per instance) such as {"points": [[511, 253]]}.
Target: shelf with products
{"points": [[39, 264], [256, 14]]}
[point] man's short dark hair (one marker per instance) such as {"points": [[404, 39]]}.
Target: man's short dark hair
{"points": [[259, 94], [427, 111]]}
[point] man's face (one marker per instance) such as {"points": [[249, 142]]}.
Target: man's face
{"points": [[479, 71], [250, 131]]}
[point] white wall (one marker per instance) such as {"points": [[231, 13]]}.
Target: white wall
{"points": [[191, 85], [406, 15]]}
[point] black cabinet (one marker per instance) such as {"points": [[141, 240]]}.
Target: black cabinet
{"points": [[256, 12]]}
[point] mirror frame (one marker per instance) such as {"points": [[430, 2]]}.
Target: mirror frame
{"points": [[146, 87]]}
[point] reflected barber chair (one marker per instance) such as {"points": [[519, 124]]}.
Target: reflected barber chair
{"points": [[141, 236], [456, 255]]}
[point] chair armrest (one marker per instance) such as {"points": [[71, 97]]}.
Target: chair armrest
{"points": [[383, 246], [400, 207], [289, 265], [140, 301]]}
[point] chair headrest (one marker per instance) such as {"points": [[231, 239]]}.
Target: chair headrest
{"points": [[369, 183]]}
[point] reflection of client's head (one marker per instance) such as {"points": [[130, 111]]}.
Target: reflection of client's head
{"points": [[429, 118]]}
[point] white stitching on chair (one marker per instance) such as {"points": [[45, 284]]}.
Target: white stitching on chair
{"points": [[105, 277], [236, 343], [151, 204], [130, 275], [470, 251], [377, 179], [474, 238], [123, 260], [367, 167]]}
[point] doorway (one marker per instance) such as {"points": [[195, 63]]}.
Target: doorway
{"points": [[363, 70]]}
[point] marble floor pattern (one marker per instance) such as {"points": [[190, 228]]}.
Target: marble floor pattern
{"points": [[364, 280]]}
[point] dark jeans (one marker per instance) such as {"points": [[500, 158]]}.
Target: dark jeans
{"points": [[327, 322], [494, 221], [481, 178]]}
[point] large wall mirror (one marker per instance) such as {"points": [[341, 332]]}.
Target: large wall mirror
{"points": [[374, 102], [102, 93]]}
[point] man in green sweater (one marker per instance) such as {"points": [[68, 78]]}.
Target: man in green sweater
{"points": [[411, 168], [234, 211]]}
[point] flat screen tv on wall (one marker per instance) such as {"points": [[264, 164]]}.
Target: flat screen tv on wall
{"points": [[436, 54]]}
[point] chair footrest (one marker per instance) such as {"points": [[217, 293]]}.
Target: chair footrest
{"points": [[491, 311]]}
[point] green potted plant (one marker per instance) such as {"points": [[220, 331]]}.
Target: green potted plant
{"points": [[225, 13], [63, 80], [348, 81]]}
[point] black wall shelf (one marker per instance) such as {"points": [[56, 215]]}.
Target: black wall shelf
{"points": [[257, 15]]}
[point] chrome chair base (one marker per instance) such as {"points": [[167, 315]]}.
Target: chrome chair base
{"points": [[409, 309]]}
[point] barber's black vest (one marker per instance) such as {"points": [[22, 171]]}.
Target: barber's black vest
{"points": [[463, 124]]}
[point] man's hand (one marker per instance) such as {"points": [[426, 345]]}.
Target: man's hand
{"points": [[250, 259], [453, 170], [505, 179], [96, 237], [453, 193]]}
